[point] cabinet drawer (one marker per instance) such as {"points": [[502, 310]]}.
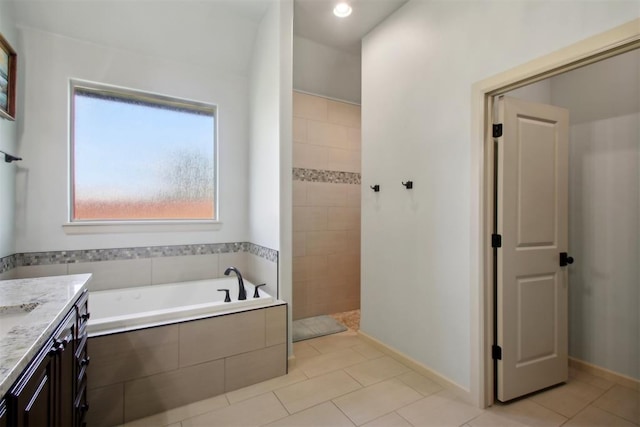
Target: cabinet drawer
{"points": [[65, 334], [82, 358], [65, 369], [82, 307], [4, 416], [81, 347], [32, 396], [81, 406]]}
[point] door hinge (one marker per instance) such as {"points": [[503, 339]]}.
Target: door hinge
{"points": [[496, 352], [497, 130], [496, 240]]}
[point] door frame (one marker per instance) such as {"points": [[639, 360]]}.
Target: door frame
{"points": [[616, 41]]}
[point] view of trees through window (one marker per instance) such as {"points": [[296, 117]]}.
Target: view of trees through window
{"points": [[139, 157]]}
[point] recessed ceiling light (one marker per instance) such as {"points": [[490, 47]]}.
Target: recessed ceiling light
{"points": [[342, 10]]}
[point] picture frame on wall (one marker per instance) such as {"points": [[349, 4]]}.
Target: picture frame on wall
{"points": [[8, 62]]}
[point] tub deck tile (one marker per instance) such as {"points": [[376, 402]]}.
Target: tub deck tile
{"points": [[223, 336], [161, 392], [121, 357]]}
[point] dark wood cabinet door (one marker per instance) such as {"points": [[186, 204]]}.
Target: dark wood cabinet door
{"points": [[4, 415], [65, 384], [51, 391], [33, 394], [82, 361], [38, 412]]}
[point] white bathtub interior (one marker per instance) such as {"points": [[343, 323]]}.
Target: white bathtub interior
{"points": [[119, 310]]}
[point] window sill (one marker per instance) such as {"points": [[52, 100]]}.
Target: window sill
{"points": [[98, 227]]}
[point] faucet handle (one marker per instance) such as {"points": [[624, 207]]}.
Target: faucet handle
{"points": [[256, 294], [226, 296]]}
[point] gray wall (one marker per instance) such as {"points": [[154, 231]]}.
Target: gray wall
{"points": [[420, 249], [604, 211], [604, 207], [50, 61], [323, 70], [8, 143], [270, 138], [54, 50]]}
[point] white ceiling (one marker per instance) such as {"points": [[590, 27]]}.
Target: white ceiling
{"points": [[314, 20], [208, 32]]}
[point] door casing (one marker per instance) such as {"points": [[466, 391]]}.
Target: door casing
{"points": [[597, 48]]}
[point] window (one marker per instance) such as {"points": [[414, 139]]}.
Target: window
{"points": [[140, 157]]}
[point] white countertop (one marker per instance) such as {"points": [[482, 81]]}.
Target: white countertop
{"points": [[30, 310]]}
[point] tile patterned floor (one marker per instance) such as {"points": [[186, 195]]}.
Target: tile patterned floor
{"points": [[339, 380]]}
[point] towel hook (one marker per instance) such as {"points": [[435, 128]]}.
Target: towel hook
{"points": [[375, 188], [10, 158], [408, 185]]}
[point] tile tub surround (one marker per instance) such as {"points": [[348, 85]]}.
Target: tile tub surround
{"points": [[7, 263], [46, 301], [139, 373], [139, 266], [26, 259], [326, 206]]}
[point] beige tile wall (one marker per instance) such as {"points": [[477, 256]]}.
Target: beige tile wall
{"points": [[326, 134], [151, 271], [326, 216]]}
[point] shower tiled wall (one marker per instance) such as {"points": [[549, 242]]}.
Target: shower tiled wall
{"points": [[326, 206]]}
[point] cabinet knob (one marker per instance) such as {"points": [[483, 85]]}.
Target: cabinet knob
{"points": [[85, 361], [55, 349], [64, 342]]}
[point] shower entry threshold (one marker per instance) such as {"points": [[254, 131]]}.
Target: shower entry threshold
{"points": [[313, 327]]}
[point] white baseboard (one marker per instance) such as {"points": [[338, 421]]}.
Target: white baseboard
{"points": [[446, 383], [597, 371]]}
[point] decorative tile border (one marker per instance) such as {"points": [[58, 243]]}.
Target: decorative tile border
{"points": [[317, 175], [117, 254], [7, 263], [263, 252]]}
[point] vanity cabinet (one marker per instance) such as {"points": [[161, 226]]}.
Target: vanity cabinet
{"points": [[49, 389], [31, 399], [3, 414], [81, 361]]}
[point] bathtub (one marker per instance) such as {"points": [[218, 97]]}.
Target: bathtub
{"points": [[180, 337], [121, 310]]}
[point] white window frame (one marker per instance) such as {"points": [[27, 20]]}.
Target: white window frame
{"points": [[133, 226]]}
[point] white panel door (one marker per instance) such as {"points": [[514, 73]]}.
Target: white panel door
{"points": [[531, 209]]}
